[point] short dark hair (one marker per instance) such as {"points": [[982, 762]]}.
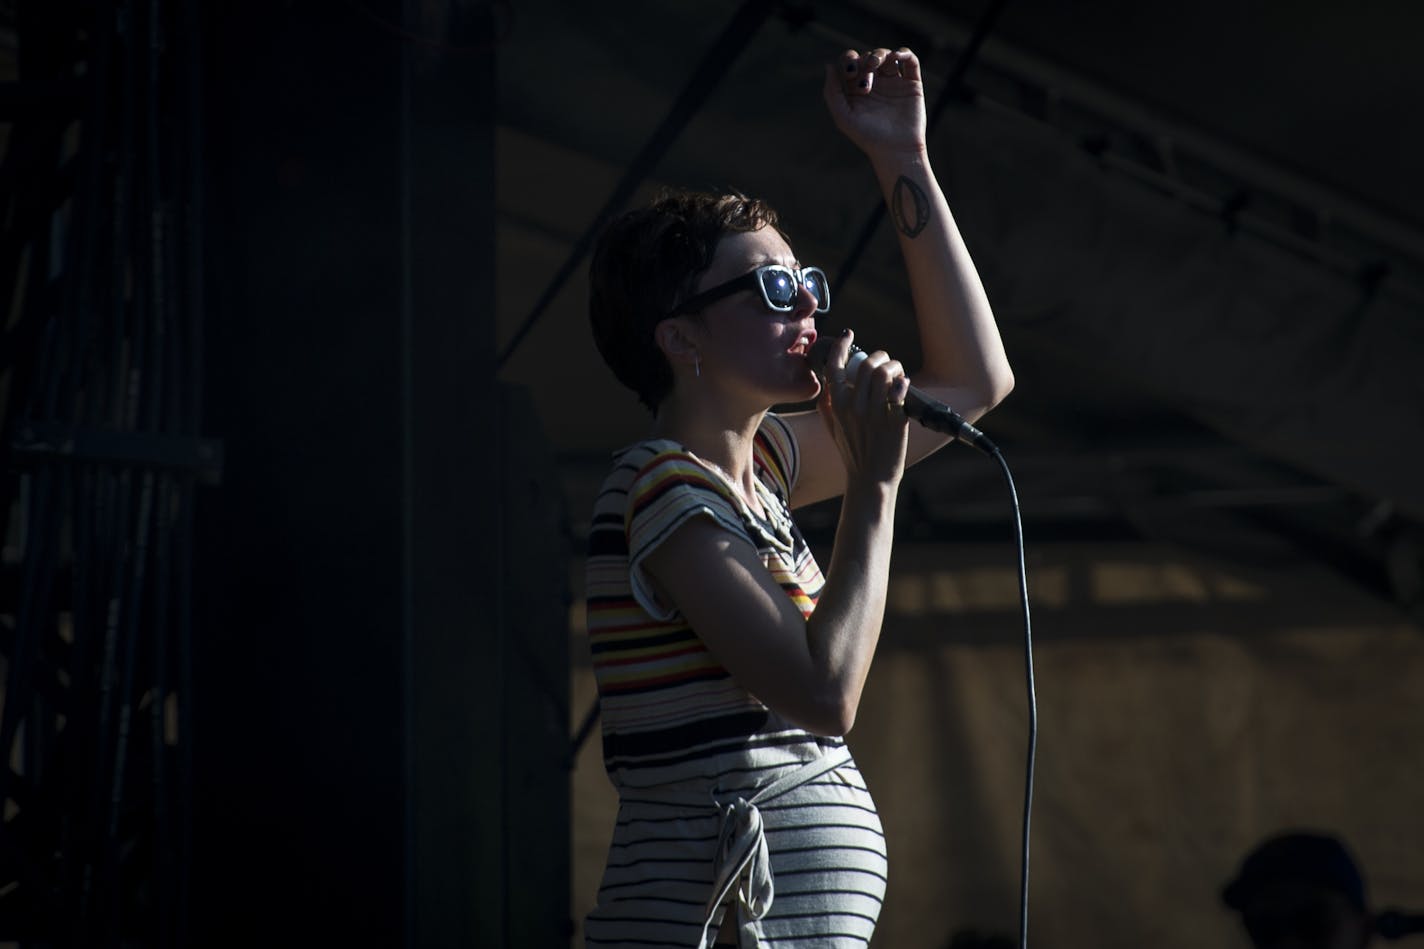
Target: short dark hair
{"points": [[647, 261]]}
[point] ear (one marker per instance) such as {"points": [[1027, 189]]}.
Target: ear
{"points": [[677, 338]]}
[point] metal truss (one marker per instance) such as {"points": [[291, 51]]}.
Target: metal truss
{"points": [[1250, 195], [100, 387]]}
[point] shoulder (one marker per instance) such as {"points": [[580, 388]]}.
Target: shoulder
{"points": [[777, 454], [668, 485], [670, 489], [661, 468]]}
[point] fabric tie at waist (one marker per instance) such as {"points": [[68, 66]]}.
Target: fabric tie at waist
{"points": [[742, 861]]}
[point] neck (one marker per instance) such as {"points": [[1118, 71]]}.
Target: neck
{"points": [[723, 438]]}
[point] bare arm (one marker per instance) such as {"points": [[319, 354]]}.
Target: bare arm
{"points": [[964, 360], [810, 671]]}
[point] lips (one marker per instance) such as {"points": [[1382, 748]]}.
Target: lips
{"points": [[803, 343]]}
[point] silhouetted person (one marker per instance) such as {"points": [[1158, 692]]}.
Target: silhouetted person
{"points": [[1301, 890]]}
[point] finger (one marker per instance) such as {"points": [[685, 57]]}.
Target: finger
{"points": [[887, 376], [907, 64], [840, 354], [900, 391], [860, 70], [873, 59], [843, 385], [886, 63], [842, 393], [885, 381], [871, 387], [844, 80], [887, 388], [895, 405], [836, 359], [865, 367]]}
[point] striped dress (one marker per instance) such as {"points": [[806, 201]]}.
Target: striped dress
{"points": [[710, 780]]}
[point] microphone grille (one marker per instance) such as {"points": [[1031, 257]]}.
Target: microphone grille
{"points": [[820, 353]]}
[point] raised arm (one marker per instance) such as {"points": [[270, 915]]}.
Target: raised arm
{"points": [[877, 101]]}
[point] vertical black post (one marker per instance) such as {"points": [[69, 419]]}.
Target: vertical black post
{"points": [[297, 719], [452, 506], [347, 666]]}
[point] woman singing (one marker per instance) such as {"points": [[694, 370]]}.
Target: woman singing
{"points": [[728, 666]]}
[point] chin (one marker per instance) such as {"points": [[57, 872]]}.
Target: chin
{"points": [[808, 389]]}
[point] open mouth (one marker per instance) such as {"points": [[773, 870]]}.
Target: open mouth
{"points": [[802, 344]]}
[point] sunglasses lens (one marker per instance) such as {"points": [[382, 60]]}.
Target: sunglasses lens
{"points": [[815, 281], [780, 287]]}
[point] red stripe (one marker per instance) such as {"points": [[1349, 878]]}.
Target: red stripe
{"points": [[671, 679], [634, 660]]}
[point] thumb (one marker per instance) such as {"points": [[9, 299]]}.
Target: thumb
{"points": [[823, 405]]}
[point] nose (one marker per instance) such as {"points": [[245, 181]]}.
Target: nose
{"points": [[806, 302]]}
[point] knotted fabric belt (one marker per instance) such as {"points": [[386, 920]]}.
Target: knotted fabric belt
{"points": [[741, 862]]}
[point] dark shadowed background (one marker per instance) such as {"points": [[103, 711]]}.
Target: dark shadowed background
{"points": [[303, 423]]}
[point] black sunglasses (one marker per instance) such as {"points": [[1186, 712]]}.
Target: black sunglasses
{"points": [[778, 285]]}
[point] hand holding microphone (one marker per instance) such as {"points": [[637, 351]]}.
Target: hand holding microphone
{"points": [[929, 412]]}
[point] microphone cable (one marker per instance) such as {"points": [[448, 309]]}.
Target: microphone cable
{"points": [[1032, 692], [937, 416], [942, 418]]}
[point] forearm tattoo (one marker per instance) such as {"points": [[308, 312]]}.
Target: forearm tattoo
{"points": [[910, 206]]}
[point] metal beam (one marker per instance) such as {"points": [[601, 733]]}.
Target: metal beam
{"points": [[705, 78]]}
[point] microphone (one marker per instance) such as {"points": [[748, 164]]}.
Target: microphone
{"points": [[930, 413]]}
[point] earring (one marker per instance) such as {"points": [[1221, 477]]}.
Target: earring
{"points": [[697, 365]]}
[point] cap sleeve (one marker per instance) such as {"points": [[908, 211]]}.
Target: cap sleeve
{"points": [[672, 488], [777, 454]]}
